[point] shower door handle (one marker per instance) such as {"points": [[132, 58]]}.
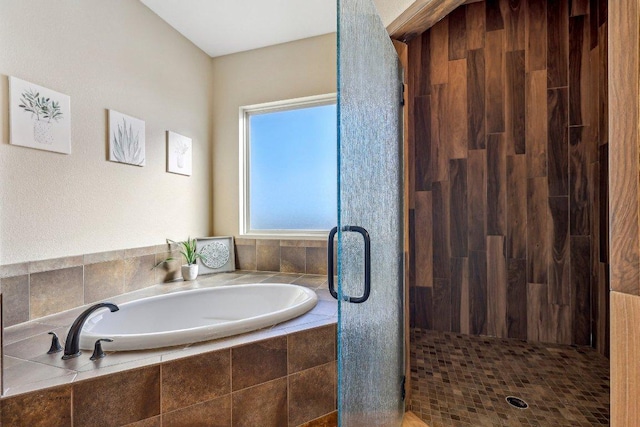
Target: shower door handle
{"points": [[367, 263]]}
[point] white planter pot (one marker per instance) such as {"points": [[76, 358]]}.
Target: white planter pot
{"points": [[190, 272], [42, 132]]}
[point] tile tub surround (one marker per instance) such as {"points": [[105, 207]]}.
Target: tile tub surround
{"points": [[40, 288], [283, 375], [286, 256], [37, 289]]}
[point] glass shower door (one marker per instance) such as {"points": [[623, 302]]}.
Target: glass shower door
{"points": [[370, 246]]}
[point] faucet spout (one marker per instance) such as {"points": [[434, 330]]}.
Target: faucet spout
{"points": [[72, 344]]}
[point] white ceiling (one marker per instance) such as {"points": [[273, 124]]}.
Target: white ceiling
{"points": [[221, 27]]}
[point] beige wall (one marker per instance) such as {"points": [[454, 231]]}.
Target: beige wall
{"points": [[291, 70], [391, 9], [103, 54]]}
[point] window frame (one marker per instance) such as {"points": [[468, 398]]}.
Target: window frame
{"points": [[245, 167]]}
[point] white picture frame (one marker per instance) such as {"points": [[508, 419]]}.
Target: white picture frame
{"points": [[219, 254], [39, 118], [126, 139], [179, 154]]}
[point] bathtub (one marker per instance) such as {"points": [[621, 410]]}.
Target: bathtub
{"points": [[196, 315]]}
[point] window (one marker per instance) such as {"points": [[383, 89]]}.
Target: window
{"points": [[288, 167]]}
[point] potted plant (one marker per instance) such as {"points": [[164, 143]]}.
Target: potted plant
{"points": [[190, 253]]}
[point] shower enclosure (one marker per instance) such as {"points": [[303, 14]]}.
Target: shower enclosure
{"points": [[369, 231]]}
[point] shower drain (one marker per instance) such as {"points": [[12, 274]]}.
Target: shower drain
{"points": [[517, 402]]}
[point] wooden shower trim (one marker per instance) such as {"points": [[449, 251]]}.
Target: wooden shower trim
{"points": [[421, 16], [624, 152]]}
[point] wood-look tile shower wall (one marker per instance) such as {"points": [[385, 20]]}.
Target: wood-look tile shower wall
{"points": [[508, 172]]}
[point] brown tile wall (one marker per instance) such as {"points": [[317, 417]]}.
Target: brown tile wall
{"points": [[508, 154], [283, 381], [40, 288], [286, 256]]}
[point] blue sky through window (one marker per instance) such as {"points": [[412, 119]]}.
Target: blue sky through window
{"points": [[293, 176]]}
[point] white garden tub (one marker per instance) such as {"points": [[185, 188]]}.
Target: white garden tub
{"points": [[196, 315]]}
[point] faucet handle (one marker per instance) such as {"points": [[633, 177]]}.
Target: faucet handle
{"points": [[55, 344], [97, 349]]}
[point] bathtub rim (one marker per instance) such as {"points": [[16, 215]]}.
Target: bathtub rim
{"points": [[126, 341]]}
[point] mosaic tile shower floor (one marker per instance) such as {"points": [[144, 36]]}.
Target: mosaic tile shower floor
{"points": [[459, 380]]}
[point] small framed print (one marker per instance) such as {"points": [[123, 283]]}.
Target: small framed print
{"points": [[179, 154], [218, 254], [126, 139], [40, 117]]}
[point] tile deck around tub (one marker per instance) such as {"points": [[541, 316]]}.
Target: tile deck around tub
{"points": [[27, 367], [460, 380]]}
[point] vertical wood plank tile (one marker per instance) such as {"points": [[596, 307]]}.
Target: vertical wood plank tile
{"points": [[536, 311], [494, 18], [442, 311], [597, 292], [455, 295], [579, 7], [461, 280], [557, 326], [477, 293], [532, 168], [413, 72], [424, 86], [441, 246], [581, 284], [458, 34], [457, 102], [476, 98], [423, 307], [603, 12], [604, 346], [515, 102], [423, 248], [496, 185], [603, 191], [593, 23], [557, 143], [593, 107], [594, 214], [475, 25], [517, 299], [477, 196], [625, 371], [537, 230], [513, 12], [458, 212], [496, 287], [603, 86], [439, 138], [494, 72], [536, 35], [439, 55], [420, 61], [579, 183], [460, 295], [557, 44], [422, 142], [517, 207], [559, 256], [536, 123], [578, 70]]}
